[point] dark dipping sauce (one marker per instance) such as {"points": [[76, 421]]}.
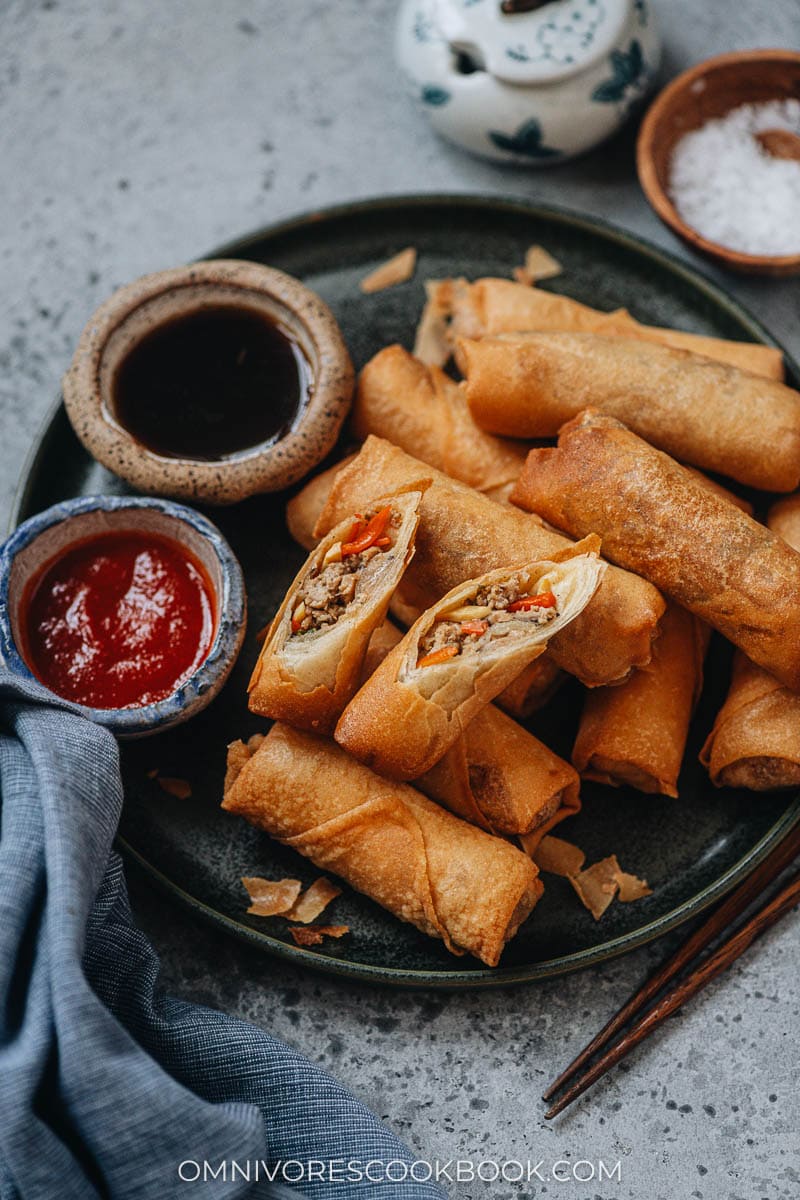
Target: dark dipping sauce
{"points": [[211, 384], [119, 620]]}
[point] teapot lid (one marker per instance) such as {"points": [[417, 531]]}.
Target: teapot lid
{"points": [[540, 44]]}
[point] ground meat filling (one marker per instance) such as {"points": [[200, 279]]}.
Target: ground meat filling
{"points": [[474, 624], [330, 587]]}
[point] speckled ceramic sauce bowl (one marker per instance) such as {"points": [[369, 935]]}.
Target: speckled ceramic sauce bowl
{"points": [[152, 303], [42, 538]]}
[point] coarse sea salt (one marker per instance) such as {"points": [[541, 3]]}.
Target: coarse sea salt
{"points": [[731, 190]]}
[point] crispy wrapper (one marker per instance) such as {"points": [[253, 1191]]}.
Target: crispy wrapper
{"points": [[432, 339], [715, 486], [533, 688], [635, 735], [493, 306], [308, 678], [424, 411], [755, 742], [314, 900], [597, 885], [395, 270], [406, 717], [444, 876], [497, 775], [302, 511], [657, 519], [539, 265], [555, 855], [314, 935], [271, 897], [527, 385], [462, 534]]}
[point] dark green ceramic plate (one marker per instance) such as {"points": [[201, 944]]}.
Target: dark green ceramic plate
{"points": [[691, 850]]}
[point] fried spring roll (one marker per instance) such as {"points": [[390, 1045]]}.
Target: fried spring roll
{"points": [[533, 688], [311, 660], [656, 518], [302, 511], [524, 696], [423, 411], [502, 778], [635, 735], [492, 306], [719, 490], [497, 775], [462, 535], [755, 742], [528, 385], [457, 657], [442, 875]]}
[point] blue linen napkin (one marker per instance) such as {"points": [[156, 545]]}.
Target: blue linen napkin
{"points": [[107, 1085]]}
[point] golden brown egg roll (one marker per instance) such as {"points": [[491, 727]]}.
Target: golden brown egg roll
{"points": [[714, 486], [457, 657], [424, 411], [302, 511], [310, 663], [657, 519], [442, 875], [462, 535], [635, 735], [527, 385], [492, 306], [755, 742], [533, 688], [497, 775], [502, 778]]}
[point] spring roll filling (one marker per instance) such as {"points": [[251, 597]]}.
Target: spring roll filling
{"points": [[344, 573], [499, 610]]}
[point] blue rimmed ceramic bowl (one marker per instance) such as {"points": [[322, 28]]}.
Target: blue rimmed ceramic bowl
{"points": [[43, 537]]}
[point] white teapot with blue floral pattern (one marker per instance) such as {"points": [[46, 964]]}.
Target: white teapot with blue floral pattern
{"points": [[528, 81]]}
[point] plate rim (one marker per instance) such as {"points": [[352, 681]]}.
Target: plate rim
{"points": [[480, 978], [483, 977]]}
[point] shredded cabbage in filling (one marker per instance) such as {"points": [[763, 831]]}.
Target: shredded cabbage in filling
{"points": [[499, 610]]}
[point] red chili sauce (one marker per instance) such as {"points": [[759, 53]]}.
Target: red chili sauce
{"points": [[119, 620]]}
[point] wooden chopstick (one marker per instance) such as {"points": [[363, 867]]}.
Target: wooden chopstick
{"points": [[714, 965], [717, 923]]}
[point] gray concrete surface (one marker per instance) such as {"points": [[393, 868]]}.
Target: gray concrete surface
{"points": [[137, 135]]}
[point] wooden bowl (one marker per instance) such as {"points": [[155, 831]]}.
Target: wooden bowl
{"points": [[708, 90]]}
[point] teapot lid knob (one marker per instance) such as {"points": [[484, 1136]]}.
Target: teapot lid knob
{"points": [[533, 41]]}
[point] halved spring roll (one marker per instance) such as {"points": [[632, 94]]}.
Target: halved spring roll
{"points": [[424, 411], [755, 742], [635, 735], [492, 306], [527, 385], [462, 534], [457, 657], [658, 519], [310, 663], [524, 696], [497, 775], [442, 875]]}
